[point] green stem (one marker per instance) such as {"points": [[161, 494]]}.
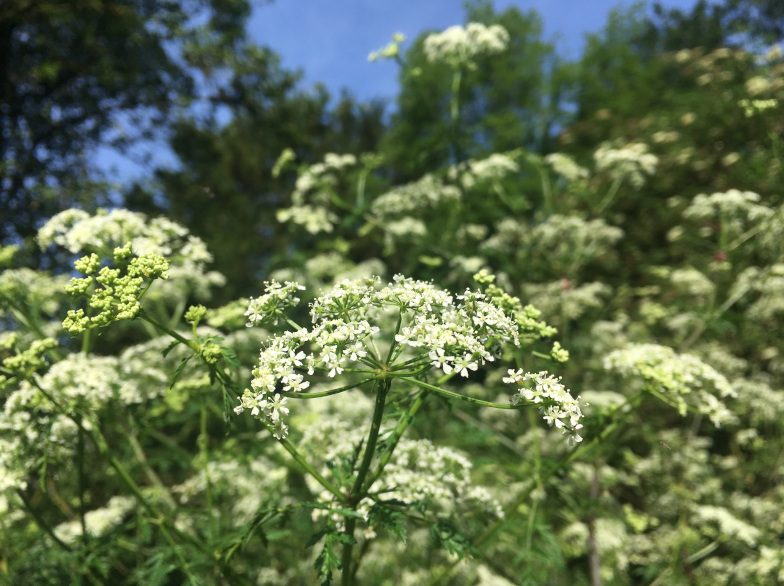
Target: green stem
{"points": [[370, 445], [609, 196], [729, 302], [356, 491], [325, 393], [547, 191], [397, 434], [41, 523], [454, 104], [512, 509], [451, 395], [393, 345], [205, 458], [86, 341], [138, 451], [310, 469], [167, 330], [82, 483]]}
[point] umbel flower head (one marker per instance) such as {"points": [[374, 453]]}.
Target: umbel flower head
{"points": [[425, 329], [458, 45]]}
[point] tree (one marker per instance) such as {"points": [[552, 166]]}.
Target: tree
{"points": [[508, 100], [69, 69], [225, 189]]}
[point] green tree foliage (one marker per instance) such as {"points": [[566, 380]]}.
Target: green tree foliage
{"points": [[225, 184], [68, 70], [507, 100]]}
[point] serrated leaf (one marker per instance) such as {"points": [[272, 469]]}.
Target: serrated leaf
{"points": [[327, 561], [451, 540], [316, 537], [179, 370], [169, 348], [228, 409], [389, 519], [230, 357], [344, 537]]}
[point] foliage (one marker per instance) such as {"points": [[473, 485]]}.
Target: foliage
{"points": [[69, 71], [380, 429]]}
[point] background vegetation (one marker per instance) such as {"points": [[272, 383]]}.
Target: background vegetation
{"points": [[633, 196]]}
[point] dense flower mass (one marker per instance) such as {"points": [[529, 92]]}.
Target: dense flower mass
{"points": [[79, 232], [675, 377], [454, 334], [632, 162], [457, 45], [420, 473], [36, 424]]}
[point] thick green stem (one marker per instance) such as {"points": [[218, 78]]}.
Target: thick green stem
{"points": [[357, 490], [405, 421]]}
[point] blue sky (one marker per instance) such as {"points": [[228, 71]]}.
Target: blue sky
{"points": [[330, 40]]}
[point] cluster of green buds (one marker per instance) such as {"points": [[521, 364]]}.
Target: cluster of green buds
{"points": [[113, 293]]}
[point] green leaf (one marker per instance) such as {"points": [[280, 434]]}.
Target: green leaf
{"points": [[389, 519], [316, 537], [452, 540], [178, 372], [169, 348], [327, 560], [228, 408]]}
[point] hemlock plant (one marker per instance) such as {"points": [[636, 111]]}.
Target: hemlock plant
{"points": [[378, 430]]}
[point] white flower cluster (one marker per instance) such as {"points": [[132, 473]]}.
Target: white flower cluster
{"points": [[98, 521], [769, 285], [31, 427], [35, 287], [692, 282], [314, 219], [632, 162], [453, 337], [566, 167], [562, 298], [754, 107], [558, 407], [79, 232], [418, 473], [458, 46], [312, 194], [737, 210], [562, 240], [761, 85], [413, 198], [677, 376], [277, 298], [243, 482], [726, 524], [494, 168], [573, 237]]}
